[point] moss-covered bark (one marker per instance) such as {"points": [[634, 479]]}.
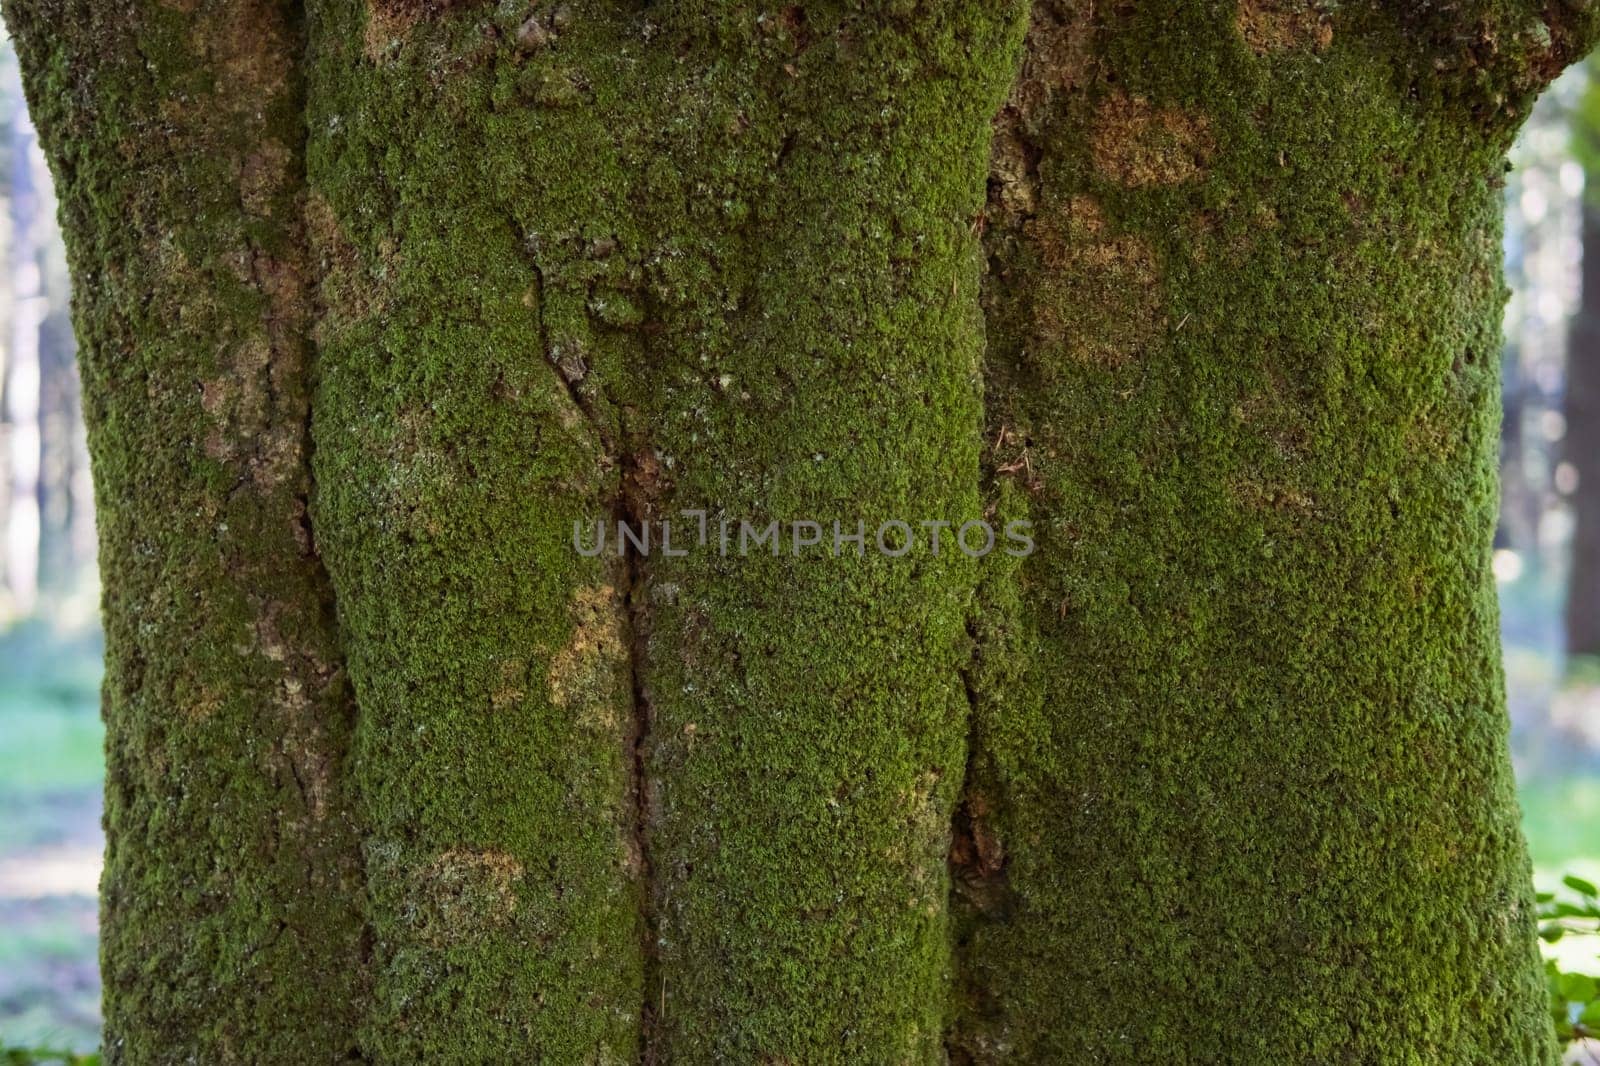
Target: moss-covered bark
{"points": [[613, 263], [231, 895], [1238, 782]]}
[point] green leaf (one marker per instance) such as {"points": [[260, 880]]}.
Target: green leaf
{"points": [[1580, 886], [1579, 987]]}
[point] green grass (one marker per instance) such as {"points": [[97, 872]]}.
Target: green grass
{"points": [[19, 1056], [1562, 820], [49, 713]]}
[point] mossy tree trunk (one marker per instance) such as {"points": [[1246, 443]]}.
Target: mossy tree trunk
{"points": [[378, 301], [1240, 755]]}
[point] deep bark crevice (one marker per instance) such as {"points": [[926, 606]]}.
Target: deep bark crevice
{"points": [[634, 595], [632, 505], [312, 279]]}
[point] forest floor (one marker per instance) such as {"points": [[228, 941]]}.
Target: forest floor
{"points": [[50, 839]]}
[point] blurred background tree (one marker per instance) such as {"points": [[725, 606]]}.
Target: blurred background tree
{"points": [[46, 500], [50, 737]]}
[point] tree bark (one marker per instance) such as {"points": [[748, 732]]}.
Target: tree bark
{"points": [[232, 892], [378, 303], [1241, 746]]}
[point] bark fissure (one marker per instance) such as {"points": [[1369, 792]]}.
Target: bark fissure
{"points": [[631, 506], [635, 600], [314, 278], [976, 862]]}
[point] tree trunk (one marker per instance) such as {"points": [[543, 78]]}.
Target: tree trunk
{"points": [[1240, 779], [1581, 446], [232, 896], [379, 305]]}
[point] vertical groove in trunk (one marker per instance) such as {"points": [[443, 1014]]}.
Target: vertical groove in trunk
{"points": [[491, 661], [232, 926], [1243, 769]]}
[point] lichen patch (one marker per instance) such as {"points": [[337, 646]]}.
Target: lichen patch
{"points": [[1269, 26], [586, 674], [1136, 144], [462, 893]]}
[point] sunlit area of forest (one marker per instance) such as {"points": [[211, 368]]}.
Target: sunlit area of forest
{"points": [[1547, 562]]}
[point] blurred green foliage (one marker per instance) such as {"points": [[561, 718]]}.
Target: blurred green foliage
{"points": [[1574, 991]]}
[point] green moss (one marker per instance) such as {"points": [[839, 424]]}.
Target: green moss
{"points": [[231, 897], [1241, 731], [749, 256], [1227, 774]]}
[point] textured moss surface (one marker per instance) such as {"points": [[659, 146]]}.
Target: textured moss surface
{"points": [[232, 886], [1223, 779], [1241, 785], [614, 264]]}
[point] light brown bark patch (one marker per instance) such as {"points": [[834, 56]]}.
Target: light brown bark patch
{"points": [[464, 891], [391, 20], [585, 675], [264, 175], [1137, 144], [1100, 299], [1280, 25]]}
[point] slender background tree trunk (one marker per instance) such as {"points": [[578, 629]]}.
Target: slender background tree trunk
{"points": [[378, 302], [1581, 445], [1581, 448]]}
